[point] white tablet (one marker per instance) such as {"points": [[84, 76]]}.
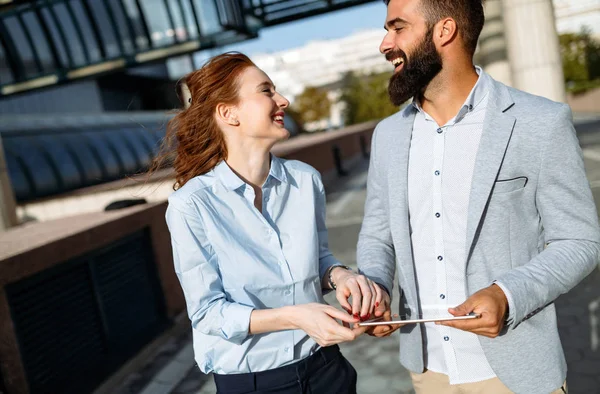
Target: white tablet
{"points": [[379, 322]]}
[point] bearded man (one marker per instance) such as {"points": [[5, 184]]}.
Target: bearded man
{"points": [[477, 199]]}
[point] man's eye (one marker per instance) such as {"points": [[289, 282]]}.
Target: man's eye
{"points": [[398, 29]]}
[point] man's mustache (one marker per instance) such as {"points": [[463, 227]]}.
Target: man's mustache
{"points": [[395, 54]]}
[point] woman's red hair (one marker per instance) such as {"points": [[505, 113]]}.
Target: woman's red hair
{"points": [[192, 135]]}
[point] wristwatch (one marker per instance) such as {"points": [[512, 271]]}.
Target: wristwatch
{"points": [[330, 279]]}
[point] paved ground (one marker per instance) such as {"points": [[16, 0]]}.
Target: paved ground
{"points": [[377, 360]]}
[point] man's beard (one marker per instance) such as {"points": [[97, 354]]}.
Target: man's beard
{"points": [[425, 63]]}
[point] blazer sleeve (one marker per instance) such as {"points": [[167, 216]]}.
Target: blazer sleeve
{"points": [[375, 253], [570, 221]]}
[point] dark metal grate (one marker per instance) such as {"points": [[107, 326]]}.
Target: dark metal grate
{"points": [[78, 322]]}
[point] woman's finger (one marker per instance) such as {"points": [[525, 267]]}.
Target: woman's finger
{"points": [[367, 296]]}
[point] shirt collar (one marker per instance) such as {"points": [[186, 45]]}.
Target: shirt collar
{"points": [[475, 97], [233, 182]]}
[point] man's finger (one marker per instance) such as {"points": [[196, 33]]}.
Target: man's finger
{"points": [[463, 309], [383, 305], [482, 323]]}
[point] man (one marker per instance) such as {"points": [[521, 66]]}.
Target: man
{"points": [[478, 198]]}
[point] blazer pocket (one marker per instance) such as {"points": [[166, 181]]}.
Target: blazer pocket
{"points": [[510, 185]]}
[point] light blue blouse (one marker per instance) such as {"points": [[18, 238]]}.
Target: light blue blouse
{"points": [[231, 259]]}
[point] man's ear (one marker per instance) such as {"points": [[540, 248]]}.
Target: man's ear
{"points": [[445, 31]]}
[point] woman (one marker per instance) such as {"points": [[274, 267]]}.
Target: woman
{"points": [[250, 243]]}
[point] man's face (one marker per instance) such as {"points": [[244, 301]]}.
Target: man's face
{"points": [[409, 45]]}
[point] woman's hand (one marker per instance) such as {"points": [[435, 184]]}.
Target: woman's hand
{"points": [[318, 321], [366, 294]]}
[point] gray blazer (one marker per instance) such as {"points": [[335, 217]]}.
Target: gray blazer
{"points": [[532, 224]]}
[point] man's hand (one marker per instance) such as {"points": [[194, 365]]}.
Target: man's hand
{"points": [[366, 295], [383, 310], [490, 303]]}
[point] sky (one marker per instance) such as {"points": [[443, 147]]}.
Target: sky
{"points": [[331, 25]]}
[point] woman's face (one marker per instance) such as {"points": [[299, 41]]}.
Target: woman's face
{"points": [[260, 109]]}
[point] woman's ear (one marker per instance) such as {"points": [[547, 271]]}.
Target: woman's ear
{"points": [[227, 114]]}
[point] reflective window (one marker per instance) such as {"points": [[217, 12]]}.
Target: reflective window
{"points": [[157, 19], [106, 27], [178, 20], [209, 17], [25, 52], [135, 17], [120, 14], [56, 38], [188, 15], [32, 24], [5, 74], [72, 39], [86, 30]]}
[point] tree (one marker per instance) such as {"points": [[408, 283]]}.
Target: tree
{"points": [[366, 97], [581, 61], [312, 105]]}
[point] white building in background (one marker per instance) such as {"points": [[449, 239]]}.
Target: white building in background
{"points": [[573, 15], [323, 63]]}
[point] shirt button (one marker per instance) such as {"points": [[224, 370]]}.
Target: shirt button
{"points": [[440, 258], [287, 350], [267, 198], [446, 338], [288, 292], [442, 296], [437, 215], [440, 131], [437, 173]]}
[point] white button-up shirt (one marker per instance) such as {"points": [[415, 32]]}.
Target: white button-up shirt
{"points": [[440, 171]]}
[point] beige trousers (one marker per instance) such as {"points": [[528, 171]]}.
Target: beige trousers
{"points": [[431, 382]]}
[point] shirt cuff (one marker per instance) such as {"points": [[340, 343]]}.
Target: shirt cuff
{"points": [[237, 323], [511, 306]]}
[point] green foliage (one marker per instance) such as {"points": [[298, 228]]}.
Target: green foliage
{"points": [[366, 97], [581, 61], [312, 105]]}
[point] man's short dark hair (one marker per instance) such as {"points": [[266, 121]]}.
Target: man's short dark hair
{"points": [[468, 15]]}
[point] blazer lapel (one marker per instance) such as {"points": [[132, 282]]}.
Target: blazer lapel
{"points": [[398, 168], [398, 153], [497, 131]]}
